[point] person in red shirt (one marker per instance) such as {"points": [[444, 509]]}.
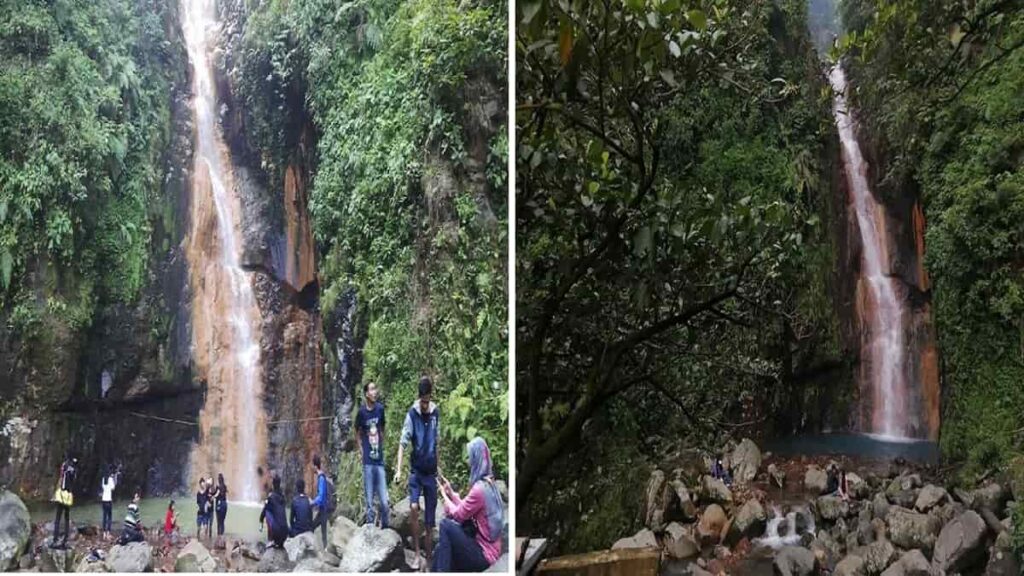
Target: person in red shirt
{"points": [[170, 520]]}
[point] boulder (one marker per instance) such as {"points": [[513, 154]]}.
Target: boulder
{"points": [[911, 530], [929, 497], [1003, 562], [903, 498], [859, 489], [794, 561], [776, 475], [330, 558], [372, 549], [252, 550], [832, 508], [679, 542], [850, 566], [992, 496], [274, 560], [303, 546], [961, 543], [714, 490], [56, 560], [194, 557], [877, 556], [642, 539], [133, 557], [342, 530], [824, 541], [746, 461], [712, 521], [400, 512], [815, 479], [311, 566], [948, 511], [911, 563], [683, 507], [92, 566], [750, 521], [654, 501], [880, 506], [15, 529]]}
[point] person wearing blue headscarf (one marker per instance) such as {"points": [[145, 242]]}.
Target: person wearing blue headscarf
{"points": [[481, 512]]}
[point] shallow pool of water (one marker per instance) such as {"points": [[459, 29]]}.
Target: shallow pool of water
{"points": [[856, 445], [242, 519]]}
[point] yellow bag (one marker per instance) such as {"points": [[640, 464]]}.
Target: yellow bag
{"points": [[64, 497]]}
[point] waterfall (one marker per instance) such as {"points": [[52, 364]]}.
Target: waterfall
{"points": [[884, 348], [225, 316], [787, 529]]}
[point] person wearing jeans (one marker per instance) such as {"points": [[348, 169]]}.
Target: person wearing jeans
{"points": [[107, 498], [421, 431], [483, 505], [370, 428]]}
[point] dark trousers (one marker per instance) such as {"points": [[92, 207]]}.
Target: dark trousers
{"points": [[108, 515], [456, 551], [221, 514], [66, 511], [322, 520]]}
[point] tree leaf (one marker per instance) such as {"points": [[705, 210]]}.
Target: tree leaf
{"points": [[6, 267], [698, 19]]}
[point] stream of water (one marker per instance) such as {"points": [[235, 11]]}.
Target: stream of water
{"points": [[882, 319], [225, 314]]}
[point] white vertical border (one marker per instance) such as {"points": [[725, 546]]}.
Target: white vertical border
{"points": [[511, 180]]}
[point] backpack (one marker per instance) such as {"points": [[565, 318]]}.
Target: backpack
{"points": [[329, 503]]}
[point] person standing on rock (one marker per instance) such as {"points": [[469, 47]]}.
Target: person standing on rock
{"points": [[324, 501], [63, 497], [458, 551], [209, 508], [107, 500], [301, 519], [370, 427], [220, 496], [201, 505], [422, 430]]}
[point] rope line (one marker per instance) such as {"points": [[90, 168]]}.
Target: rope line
{"points": [[190, 423]]}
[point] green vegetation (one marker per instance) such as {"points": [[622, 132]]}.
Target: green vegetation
{"points": [[940, 86], [672, 262], [409, 211], [84, 121]]}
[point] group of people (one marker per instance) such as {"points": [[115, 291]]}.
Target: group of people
{"points": [[64, 498], [470, 535]]}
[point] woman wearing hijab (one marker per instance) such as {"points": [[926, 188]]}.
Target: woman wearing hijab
{"points": [[456, 550]]}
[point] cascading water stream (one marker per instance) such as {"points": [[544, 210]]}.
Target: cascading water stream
{"points": [[885, 349], [787, 529], [224, 308]]}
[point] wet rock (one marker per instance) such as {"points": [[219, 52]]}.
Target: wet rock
{"points": [[372, 549], [880, 505], [859, 489], [850, 566], [714, 490], [930, 497], [815, 479], [274, 560], [903, 498], [680, 543], [15, 529], [748, 522], [642, 539], [832, 508], [992, 496], [303, 546], [712, 521], [194, 557], [865, 530], [794, 561], [342, 530], [948, 511], [961, 544], [330, 558], [134, 557], [746, 461], [825, 541], [904, 482], [876, 555], [908, 529], [56, 560], [27, 562], [252, 550], [776, 475], [911, 563], [1003, 562]]}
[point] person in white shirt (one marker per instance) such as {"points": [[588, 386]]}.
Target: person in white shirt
{"points": [[107, 498]]}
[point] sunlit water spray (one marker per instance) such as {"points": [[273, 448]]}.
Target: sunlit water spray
{"points": [[225, 314], [885, 349]]}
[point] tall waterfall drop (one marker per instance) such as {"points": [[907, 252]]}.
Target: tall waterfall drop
{"points": [[225, 317], [884, 341]]}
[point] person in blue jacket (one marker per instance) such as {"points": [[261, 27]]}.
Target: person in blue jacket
{"points": [[421, 430], [324, 501]]}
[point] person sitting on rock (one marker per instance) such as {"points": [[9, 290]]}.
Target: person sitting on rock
{"points": [[832, 482], [274, 515], [132, 531], [483, 506], [843, 488], [302, 511], [719, 471]]}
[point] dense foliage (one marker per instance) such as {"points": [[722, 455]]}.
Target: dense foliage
{"points": [[941, 86], [406, 212], [84, 121], [673, 272]]}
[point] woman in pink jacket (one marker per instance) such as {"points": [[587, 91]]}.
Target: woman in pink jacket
{"points": [[458, 551]]}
